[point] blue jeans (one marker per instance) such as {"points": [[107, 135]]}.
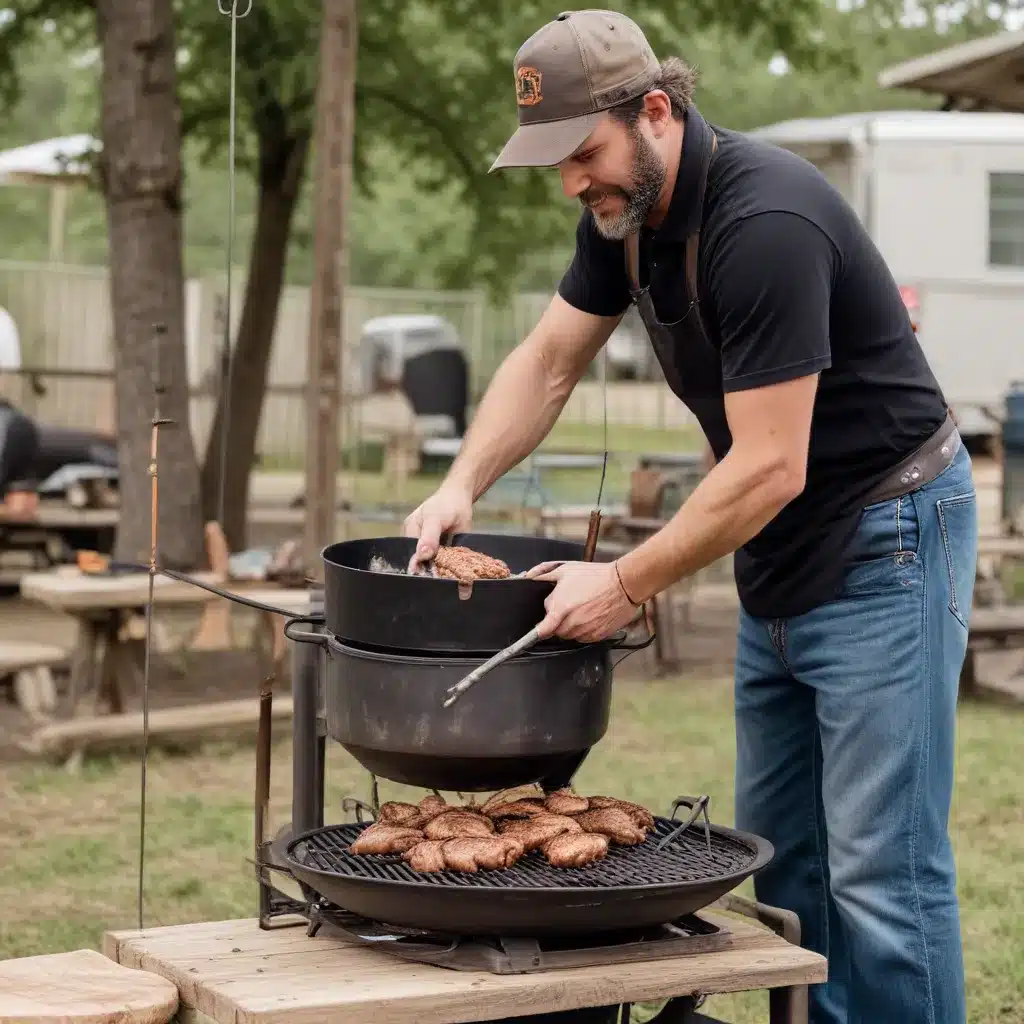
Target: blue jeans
{"points": [[845, 727]]}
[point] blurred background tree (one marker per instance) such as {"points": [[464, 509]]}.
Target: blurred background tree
{"points": [[434, 105]]}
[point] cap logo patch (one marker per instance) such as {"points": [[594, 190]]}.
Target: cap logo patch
{"points": [[528, 87]]}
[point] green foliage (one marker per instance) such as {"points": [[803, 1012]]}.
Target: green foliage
{"points": [[434, 105]]}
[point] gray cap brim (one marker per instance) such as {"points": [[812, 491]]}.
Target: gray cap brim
{"points": [[546, 143]]}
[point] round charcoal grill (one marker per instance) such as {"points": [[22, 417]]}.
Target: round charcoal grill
{"points": [[632, 887]]}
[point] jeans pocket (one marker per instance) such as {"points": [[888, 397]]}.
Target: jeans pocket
{"points": [[958, 528]]}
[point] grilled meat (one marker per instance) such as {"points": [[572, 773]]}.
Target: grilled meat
{"points": [[465, 565], [386, 839], [426, 856], [395, 813], [458, 825], [640, 815], [575, 849], [534, 832], [564, 802], [614, 823], [474, 853], [530, 791], [433, 805], [528, 808]]}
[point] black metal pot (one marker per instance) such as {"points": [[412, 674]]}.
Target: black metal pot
{"points": [[533, 718], [392, 611]]}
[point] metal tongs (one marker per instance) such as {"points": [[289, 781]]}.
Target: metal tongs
{"points": [[699, 805], [524, 643], [528, 640]]}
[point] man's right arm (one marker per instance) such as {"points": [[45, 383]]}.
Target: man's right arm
{"points": [[527, 394], [530, 388]]}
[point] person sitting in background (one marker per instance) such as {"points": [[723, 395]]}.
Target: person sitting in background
{"points": [[19, 443]]}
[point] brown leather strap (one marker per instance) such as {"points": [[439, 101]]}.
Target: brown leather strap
{"points": [[692, 244], [633, 260]]}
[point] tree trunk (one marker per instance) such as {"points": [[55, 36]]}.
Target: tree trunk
{"points": [[282, 166], [141, 169]]}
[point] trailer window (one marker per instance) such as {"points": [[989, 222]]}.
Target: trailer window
{"points": [[1005, 219]]}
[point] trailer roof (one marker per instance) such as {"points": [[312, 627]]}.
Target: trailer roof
{"points": [[983, 71], [897, 126]]}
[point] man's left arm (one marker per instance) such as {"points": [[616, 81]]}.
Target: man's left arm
{"points": [[771, 286]]}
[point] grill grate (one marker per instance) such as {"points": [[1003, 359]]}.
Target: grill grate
{"points": [[685, 859]]}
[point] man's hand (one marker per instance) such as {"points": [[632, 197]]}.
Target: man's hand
{"points": [[588, 603], [449, 508]]}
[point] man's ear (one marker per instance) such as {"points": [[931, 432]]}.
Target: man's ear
{"points": [[658, 108]]}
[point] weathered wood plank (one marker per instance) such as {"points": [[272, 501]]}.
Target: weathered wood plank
{"points": [[232, 971]]}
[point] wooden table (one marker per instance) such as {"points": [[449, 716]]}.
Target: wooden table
{"points": [[102, 606], [31, 664], [231, 971]]}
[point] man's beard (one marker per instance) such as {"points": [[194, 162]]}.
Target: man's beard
{"points": [[647, 177]]}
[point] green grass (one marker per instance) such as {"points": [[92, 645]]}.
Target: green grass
{"points": [[69, 845]]}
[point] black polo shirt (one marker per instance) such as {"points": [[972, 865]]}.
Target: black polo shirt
{"points": [[789, 284]]}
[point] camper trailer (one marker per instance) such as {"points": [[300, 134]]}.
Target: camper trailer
{"points": [[942, 194]]}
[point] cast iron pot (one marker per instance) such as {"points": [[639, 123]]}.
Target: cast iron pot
{"points": [[532, 719], [392, 611]]}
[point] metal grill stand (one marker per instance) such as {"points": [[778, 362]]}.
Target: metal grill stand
{"points": [[503, 955]]}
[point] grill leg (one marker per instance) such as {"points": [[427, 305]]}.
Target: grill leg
{"points": [[785, 1005], [307, 760]]}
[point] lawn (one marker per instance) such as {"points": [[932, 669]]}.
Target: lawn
{"points": [[69, 845], [573, 487]]}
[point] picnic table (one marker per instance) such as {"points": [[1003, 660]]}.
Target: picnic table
{"points": [[107, 655]]}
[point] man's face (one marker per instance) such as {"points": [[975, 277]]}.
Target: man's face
{"points": [[618, 174]]}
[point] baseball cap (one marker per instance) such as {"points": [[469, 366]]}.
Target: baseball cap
{"points": [[566, 74]]}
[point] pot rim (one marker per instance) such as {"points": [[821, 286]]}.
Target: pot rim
{"points": [[454, 657], [525, 538]]}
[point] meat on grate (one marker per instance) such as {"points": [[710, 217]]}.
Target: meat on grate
{"points": [[614, 823], [575, 849], [533, 833], [394, 812], [458, 824], [527, 808], [426, 856], [490, 854], [640, 815], [381, 839], [566, 802]]}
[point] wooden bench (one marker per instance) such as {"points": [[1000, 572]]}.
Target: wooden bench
{"points": [[32, 666], [996, 628], [82, 987]]}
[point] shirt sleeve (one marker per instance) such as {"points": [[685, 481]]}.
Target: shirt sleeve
{"points": [[771, 283], [595, 281]]}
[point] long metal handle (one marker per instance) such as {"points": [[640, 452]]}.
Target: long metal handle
{"points": [[522, 644]]}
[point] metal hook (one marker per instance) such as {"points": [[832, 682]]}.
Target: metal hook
{"points": [[232, 8]]}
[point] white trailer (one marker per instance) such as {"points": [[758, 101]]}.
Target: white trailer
{"points": [[942, 195]]}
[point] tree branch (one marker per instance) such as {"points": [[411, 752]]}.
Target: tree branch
{"points": [[439, 127]]}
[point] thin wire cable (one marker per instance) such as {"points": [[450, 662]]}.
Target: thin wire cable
{"points": [[227, 349], [159, 331]]}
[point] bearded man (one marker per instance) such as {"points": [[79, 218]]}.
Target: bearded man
{"points": [[839, 482]]}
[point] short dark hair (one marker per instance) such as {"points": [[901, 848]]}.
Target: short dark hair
{"points": [[677, 79]]}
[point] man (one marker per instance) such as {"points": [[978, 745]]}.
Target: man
{"points": [[19, 443], [839, 481]]}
